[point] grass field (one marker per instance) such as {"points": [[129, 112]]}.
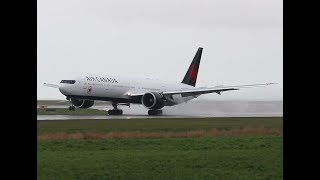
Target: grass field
{"points": [[219, 155], [157, 125]]}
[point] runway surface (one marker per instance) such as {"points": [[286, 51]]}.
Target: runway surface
{"points": [[72, 117], [195, 109]]}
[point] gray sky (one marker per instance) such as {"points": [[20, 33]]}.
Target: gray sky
{"points": [[242, 41]]}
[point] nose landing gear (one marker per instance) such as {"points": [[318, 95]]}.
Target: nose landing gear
{"points": [[71, 107]]}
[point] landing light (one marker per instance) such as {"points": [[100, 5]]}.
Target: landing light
{"points": [[129, 94]]}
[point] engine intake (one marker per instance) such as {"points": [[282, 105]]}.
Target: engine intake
{"points": [[152, 100], [81, 103]]}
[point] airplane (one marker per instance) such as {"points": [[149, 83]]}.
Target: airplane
{"points": [[83, 90]]}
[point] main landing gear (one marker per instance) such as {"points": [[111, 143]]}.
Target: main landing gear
{"points": [[155, 112], [115, 110]]}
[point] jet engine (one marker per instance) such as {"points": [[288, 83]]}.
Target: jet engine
{"points": [[81, 103], [152, 100]]}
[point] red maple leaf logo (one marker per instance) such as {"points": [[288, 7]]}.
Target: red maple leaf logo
{"points": [[89, 90], [193, 73]]}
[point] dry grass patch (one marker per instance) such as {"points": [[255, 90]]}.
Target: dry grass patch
{"points": [[257, 131]]}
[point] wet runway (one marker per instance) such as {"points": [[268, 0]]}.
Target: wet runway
{"points": [[72, 117], [195, 109]]}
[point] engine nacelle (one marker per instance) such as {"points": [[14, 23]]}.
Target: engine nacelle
{"points": [[152, 100], [80, 103]]}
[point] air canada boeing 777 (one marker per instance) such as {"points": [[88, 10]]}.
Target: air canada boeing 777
{"points": [[152, 94]]}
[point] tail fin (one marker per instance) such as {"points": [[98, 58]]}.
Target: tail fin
{"points": [[191, 76]]}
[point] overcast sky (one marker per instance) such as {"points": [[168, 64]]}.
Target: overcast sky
{"points": [[242, 41]]}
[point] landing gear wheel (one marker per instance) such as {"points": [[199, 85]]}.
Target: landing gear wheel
{"points": [[115, 112], [72, 108], [155, 112]]}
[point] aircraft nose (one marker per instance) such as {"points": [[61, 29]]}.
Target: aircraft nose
{"points": [[64, 89]]}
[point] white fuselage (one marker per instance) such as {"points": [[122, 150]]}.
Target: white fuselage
{"points": [[120, 89]]}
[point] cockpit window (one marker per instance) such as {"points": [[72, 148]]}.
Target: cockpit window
{"points": [[68, 81]]}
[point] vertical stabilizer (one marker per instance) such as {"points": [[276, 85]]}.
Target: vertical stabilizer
{"points": [[191, 76]]}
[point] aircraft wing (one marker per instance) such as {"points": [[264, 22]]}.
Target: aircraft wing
{"points": [[199, 91], [50, 85], [217, 89]]}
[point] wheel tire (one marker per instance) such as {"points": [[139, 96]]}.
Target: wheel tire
{"points": [[119, 112], [70, 108], [155, 112], [115, 112], [110, 112]]}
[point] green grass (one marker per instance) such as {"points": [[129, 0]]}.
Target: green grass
{"points": [[245, 157], [156, 125], [183, 158], [65, 111]]}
